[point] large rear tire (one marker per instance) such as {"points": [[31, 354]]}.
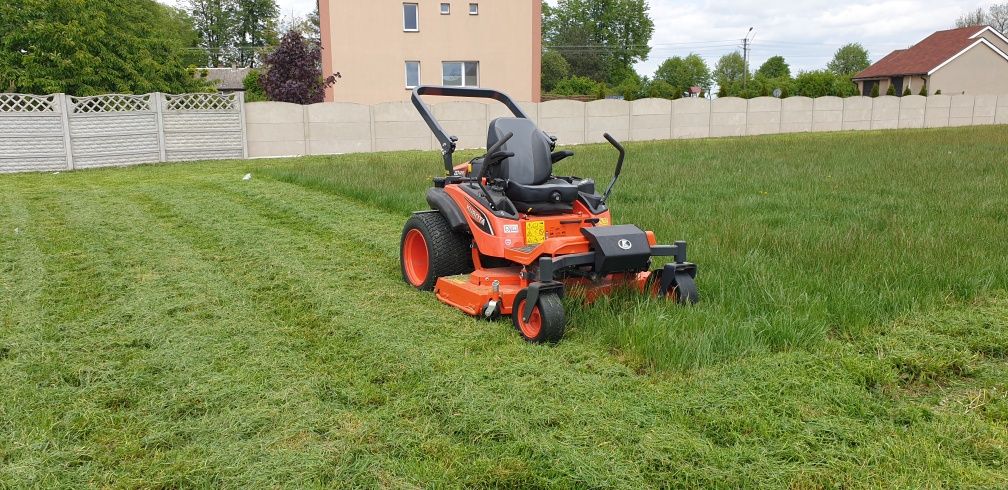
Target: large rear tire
{"points": [[547, 321], [430, 248]]}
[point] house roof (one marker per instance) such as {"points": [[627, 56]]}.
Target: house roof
{"points": [[227, 78], [922, 58]]}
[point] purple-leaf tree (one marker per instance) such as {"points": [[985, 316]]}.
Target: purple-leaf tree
{"points": [[294, 71]]}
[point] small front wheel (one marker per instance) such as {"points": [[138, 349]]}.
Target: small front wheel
{"points": [[547, 321]]}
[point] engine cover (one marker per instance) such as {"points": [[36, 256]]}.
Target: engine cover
{"points": [[620, 248]]}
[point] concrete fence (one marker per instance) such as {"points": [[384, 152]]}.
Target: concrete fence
{"points": [[278, 129], [61, 132]]}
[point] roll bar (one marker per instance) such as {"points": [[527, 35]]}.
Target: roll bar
{"points": [[448, 142]]}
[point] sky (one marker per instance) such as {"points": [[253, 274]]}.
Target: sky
{"points": [[805, 32]]}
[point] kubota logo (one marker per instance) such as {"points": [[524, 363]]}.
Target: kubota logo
{"points": [[624, 244], [476, 215]]}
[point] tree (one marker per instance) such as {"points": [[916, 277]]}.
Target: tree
{"points": [[923, 90], [683, 73], [131, 46], [601, 39], [875, 90], [660, 89], [820, 83], [972, 18], [214, 22], [576, 85], [253, 87], [254, 28], [997, 17], [891, 90], [906, 91], [729, 73], [774, 67], [294, 71], [849, 60], [554, 69]]}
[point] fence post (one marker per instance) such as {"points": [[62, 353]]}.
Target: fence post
{"points": [[159, 111], [241, 118], [63, 101]]}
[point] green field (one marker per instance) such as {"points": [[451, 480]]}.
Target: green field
{"points": [[175, 326]]}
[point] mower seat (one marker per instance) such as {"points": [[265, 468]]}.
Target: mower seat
{"points": [[529, 173]]}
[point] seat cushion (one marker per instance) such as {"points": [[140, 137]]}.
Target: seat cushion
{"points": [[554, 190]]}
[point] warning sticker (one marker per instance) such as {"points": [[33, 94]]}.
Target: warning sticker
{"points": [[603, 222], [535, 232]]}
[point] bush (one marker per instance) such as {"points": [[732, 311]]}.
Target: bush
{"points": [[661, 89], [816, 83], [906, 91], [576, 86], [554, 69], [253, 87], [891, 90], [874, 90], [631, 88], [938, 92], [923, 90]]}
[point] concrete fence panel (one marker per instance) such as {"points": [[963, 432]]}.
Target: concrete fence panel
{"points": [[607, 116], [1001, 116], [650, 119], [338, 127], [466, 120], [114, 129], [857, 113], [961, 110], [827, 114], [202, 126], [885, 112], [984, 109], [911, 111], [32, 129], [564, 119], [398, 126], [692, 117], [496, 109], [764, 116], [796, 114], [275, 129], [728, 117], [936, 113]]}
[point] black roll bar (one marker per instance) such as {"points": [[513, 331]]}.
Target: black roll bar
{"points": [[448, 142]]}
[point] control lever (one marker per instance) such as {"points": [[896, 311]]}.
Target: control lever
{"points": [[492, 157]]}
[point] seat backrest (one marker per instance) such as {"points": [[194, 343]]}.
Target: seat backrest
{"points": [[531, 164]]}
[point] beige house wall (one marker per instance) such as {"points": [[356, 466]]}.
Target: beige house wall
{"points": [[365, 42], [978, 71]]}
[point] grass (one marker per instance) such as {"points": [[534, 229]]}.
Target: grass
{"points": [[174, 326]]}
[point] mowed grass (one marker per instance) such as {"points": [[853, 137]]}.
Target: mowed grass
{"points": [[175, 326], [796, 237]]}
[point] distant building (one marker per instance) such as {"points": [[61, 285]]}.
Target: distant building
{"points": [[970, 60], [384, 48], [226, 80]]}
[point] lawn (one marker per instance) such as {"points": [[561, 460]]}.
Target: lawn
{"points": [[175, 326]]}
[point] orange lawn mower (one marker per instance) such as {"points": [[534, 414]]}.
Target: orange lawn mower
{"points": [[505, 236]]}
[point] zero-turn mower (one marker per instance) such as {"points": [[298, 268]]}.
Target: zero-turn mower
{"points": [[505, 236]]}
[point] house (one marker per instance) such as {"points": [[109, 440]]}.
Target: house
{"points": [[227, 80], [384, 48], [968, 60]]}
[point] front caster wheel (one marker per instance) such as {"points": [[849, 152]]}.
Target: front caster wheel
{"points": [[682, 288], [547, 321]]}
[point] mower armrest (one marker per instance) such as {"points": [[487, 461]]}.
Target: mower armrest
{"points": [[560, 155]]}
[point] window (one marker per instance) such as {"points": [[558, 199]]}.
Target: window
{"points": [[460, 73], [412, 74], [473, 9], [445, 9], [411, 17]]}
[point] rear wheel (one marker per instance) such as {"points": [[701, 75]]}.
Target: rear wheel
{"points": [[430, 249], [547, 321]]}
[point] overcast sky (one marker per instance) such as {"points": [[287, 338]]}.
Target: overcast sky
{"points": [[805, 32]]}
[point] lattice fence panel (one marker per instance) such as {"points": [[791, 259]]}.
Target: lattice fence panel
{"points": [[202, 103], [111, 103], [28, 103]]}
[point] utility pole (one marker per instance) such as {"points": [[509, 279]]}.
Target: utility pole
{"points": [[745, 57]]}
